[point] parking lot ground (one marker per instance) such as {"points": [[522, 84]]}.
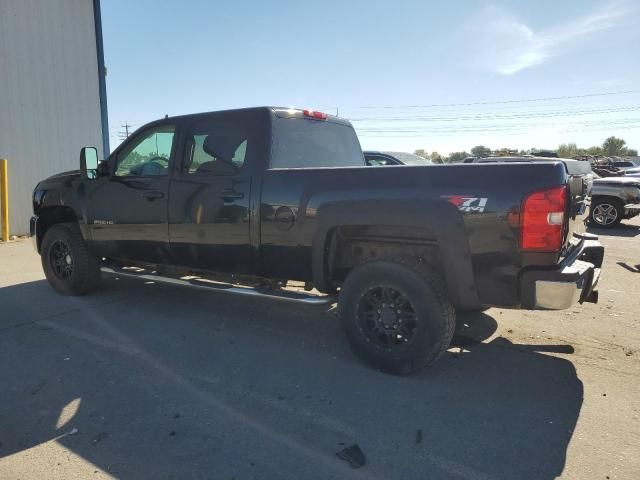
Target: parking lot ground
{"points": [[145, 381]]}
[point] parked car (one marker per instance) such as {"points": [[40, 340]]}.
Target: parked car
{"points": [[244, 201], [614, 199], [623, 164], [377, 159]]}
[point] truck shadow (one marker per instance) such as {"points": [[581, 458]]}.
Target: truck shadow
{"points": [[620, 230], [173, 383]]}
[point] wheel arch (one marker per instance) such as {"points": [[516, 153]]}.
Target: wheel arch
{"points": [[49, 216], [430, 229]]}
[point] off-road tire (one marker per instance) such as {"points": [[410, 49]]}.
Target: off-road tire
{"points": [[85, 274], [435, 317]]}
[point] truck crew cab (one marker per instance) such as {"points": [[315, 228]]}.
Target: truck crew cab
{"points": [[245, 201]]}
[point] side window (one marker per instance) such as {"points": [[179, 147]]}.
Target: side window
{"points": [[215, 148], [377, 161], [147, 154]]}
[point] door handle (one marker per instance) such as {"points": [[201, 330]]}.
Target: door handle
{"points": [[229, 195], [152, 195]]}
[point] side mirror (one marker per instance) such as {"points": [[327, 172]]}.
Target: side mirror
{"points": [[89, 162]]}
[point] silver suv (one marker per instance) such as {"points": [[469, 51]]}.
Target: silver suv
{"points": [[614, 199]]}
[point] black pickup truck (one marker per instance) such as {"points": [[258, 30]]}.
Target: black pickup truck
{"points": [[252, 201]]}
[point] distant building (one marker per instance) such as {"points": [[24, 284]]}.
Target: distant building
{"points": [[52, 92]]}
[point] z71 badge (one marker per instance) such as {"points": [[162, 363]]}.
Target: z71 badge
{"points": [[467, 204]]}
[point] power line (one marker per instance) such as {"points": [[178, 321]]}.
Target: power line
{"points": [[502, 116], [622, 124], [500, 102]]}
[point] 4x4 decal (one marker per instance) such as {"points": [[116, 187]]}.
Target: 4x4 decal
{"points": [[467, 204]]}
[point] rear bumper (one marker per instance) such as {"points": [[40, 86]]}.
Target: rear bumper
{"points": [[573, 280], [33, 232], [631, 210]]}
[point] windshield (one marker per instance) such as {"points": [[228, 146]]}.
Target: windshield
{"points": [[305, 143], [409, 158]]}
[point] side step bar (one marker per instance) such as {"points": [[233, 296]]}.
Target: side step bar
{"points": [[204, 284]]}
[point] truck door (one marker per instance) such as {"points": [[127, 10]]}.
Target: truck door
{"points": [[127, 211], [209, 209]]}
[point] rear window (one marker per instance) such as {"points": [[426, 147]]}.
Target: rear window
{"points": [[302, 143]]}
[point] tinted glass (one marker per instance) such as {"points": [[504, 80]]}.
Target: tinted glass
{"points": [[303, 143], [376, 161], [410, 158], [215, 148], [147, 153]]}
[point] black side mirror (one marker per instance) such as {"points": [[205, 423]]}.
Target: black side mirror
{"points": [[103, 169], [89, 162]]}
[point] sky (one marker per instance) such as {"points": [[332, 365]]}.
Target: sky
{"points": [[409, 74]]}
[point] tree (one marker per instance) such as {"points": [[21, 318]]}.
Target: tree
{"points": [[421, 153], [436, 157], [613, 146], [480, 151], [568, 150], [594, 151], [456, 157], [630, 152]]}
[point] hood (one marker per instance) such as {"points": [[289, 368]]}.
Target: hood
{"points": [[58, 179], [616, 181], [70, 173]]}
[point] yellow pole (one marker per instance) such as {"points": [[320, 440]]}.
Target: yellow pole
{"points": [[4, 199]]}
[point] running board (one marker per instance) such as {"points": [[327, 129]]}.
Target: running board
{"points": [[204, 284]]}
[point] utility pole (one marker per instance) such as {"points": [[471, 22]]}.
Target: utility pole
{"points": [[124, 135]]}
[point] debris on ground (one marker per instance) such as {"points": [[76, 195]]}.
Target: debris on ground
{"points": [[353, 455], [99, 437], [38, 387]]}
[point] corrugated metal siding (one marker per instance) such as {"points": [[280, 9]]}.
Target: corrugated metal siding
{"points": [[49, 97]]}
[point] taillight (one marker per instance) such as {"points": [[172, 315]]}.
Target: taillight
{"points": [[542, 220], [315, 115]]}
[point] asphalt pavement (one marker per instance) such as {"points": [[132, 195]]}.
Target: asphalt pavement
{"points": [[143, 381]]}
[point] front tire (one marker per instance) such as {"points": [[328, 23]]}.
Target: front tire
{"points": [[606, 213], [67, 263], [396, 314]]}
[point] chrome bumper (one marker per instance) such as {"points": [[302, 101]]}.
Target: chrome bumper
{"points": [[572, 281]]}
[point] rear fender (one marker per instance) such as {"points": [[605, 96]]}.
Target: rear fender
{"points": [[441, 218]]}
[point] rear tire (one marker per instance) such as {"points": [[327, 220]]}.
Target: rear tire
{"points": [[67, 263], [606, 213], [396, 314]]}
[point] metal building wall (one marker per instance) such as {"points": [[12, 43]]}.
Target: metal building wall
{"points": [[49, 93]]}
